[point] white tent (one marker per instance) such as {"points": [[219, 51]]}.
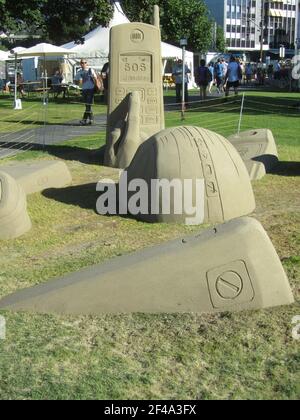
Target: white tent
{"points": [[17, 51], [3, 58], [3, 55], [45, 52], [96, 44]]}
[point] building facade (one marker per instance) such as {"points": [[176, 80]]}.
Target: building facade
{"points": [[244, 21], [241, 21], [281, 23]]}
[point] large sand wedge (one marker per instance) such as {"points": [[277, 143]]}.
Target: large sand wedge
{"points": [[234, 267]]}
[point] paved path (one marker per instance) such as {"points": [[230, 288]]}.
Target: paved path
{"points": [[16, 142]]}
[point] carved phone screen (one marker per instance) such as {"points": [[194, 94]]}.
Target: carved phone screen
{"points": [[136, 68]]}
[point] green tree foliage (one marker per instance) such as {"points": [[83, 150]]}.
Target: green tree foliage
{"points": [[220, 40], [71, 19], [21, 15], [179, 18], [56, 21]]}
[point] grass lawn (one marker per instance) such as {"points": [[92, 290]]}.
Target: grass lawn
{"points": [[249, 355]]}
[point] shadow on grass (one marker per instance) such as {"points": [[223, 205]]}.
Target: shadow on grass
{"points": [[286, 169], [73, 153], [83, 196]]}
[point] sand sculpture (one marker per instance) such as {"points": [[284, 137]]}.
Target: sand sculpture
{"points": [[184, 153], [231, 268], [256, 147], [136, 109], [35, 177], [256, 170], [14, 219]]}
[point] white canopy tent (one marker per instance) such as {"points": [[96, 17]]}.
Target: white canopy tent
{"points": [[49, 53], [3, 58], [4, 55], [96, 45], [45, 50]]}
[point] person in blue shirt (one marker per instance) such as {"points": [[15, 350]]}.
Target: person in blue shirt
{"points": [[219, 72], [87, 76], [211, 68]]}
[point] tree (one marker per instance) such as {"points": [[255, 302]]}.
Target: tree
{"points": [[55, 21], [67, 20], [20, 15], [220, 40], [179, 18]]}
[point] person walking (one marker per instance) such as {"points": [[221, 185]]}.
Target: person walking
{"points": [[178, 76], [20, 85], [204, 79], [234, 76], [261, 72], [105, 78], [211, 68], [87, 77], [219, 76], [249, 73]]}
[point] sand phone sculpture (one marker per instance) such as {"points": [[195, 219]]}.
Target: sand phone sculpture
{"points": [[136, 108], [230, 268]]}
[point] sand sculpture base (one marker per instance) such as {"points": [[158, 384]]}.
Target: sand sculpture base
{"points": [[258, 146], [231, 268], [256, 170], [36, 177], [14, 219]]}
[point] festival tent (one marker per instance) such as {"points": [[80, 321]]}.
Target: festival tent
{"points": [[44, 51], [96, 45], [3, 55], [3, 58], [50, 57]]}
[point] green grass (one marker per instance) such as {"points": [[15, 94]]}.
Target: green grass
{"points": [[34, 112], [227, 356]]}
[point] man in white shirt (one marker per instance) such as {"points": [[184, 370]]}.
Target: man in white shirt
{"points": [[87, 77], [234, 75], [178, 76]]}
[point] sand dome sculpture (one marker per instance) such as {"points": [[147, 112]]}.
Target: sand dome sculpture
{"points": [[14, 219], [195, 153]]}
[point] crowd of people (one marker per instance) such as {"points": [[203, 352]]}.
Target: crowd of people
{"points": [[222, 74], [226, 75]]}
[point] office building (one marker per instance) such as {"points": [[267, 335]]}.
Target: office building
{"points": [[242, 21], [280, 23]]}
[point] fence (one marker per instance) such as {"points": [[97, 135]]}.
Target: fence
{"points": [[38, 126]]}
